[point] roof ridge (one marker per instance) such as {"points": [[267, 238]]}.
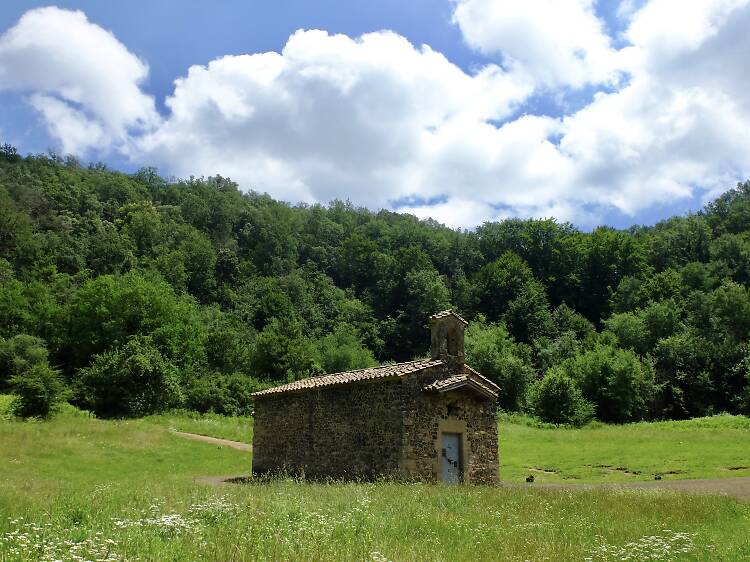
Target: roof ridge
{"points": [[476, 373], [459, 380], [448, 312], [344, 377], [374, 368]]}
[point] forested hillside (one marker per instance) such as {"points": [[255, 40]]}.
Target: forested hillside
{"points": [[127, 294]]}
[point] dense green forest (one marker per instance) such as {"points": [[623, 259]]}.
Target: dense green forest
{"points": [[128, 294]]}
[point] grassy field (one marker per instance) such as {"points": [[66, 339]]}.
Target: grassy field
{"points": [[80, 488], [235, 428], [713, 447]]}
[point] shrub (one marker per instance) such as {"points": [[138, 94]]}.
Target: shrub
{"points": [[685, 386], [108, 310], [283, 353], [342, 350], [19, 354], [557, 399], [662, 319], [229, 342], [630, 330], [230, 395], [38, 391], [616, 381], [491, 350], [6, 406], [551, 352], [133, 380]]}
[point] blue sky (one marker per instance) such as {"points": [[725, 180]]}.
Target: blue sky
{"points": [[172, 35], [567, 108]]}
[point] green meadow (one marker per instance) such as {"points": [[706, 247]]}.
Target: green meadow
{"points": [[711, 447], [237, 428], [78, 488]]}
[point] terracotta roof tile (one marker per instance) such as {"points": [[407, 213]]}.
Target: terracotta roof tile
{"points": [[335, 379], [444, 383], [466, 379], [484, 380], [445, 313]]}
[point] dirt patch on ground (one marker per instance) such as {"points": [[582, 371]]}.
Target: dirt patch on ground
{"points": [[610, 468], [542, 470], [215, 441], [738, 488], [221, 480]]}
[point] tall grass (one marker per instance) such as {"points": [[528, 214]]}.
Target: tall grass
{"points": [[81, 488], [289, 520]]}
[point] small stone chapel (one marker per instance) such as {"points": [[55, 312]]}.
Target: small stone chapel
{"points": [[431, 420]]}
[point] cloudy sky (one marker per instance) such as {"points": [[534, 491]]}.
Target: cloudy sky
{"points": [[615, 112]]}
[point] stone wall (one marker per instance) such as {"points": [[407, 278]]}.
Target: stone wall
{"points": [[459, 411], [349, 431], [380, 427]]}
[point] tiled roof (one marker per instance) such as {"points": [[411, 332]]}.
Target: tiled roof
{"points": [[397, 370], [445, 383], [484, 380], [445, 313], [480, 383]]}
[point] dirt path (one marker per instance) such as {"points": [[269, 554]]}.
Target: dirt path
{"points": [[738, 488], [215, 441]]}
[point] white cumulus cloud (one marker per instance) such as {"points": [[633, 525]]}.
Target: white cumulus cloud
{"points": [[386, 123], [682, 123], [85, 82], [676, 121], [560, 42], [329, 116]]}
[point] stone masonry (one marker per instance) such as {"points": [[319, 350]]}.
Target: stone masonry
{"points": [[384, 421]]}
